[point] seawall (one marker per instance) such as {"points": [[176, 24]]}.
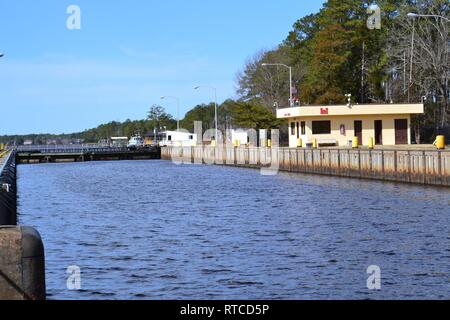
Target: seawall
{"points": [[427, 167], [22, 261]]}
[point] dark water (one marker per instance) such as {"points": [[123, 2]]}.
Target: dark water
{"points": [[154, 230]]}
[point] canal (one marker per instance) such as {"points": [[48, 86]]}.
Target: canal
{"points": [[154, 230]]}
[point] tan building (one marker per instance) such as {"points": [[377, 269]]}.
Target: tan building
{"points": [[387, 124]]}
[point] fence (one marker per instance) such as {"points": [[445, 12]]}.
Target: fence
{"points": [[431, 167]]}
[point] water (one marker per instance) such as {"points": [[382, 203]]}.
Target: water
{"points": [[154, 230]]}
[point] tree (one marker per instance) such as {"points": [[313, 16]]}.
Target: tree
{"points": [[252, 115], [204, 113], [159, 119], [268, 85], [430, 61]]}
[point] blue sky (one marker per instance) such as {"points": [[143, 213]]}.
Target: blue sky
{"points": [[126, 56]]}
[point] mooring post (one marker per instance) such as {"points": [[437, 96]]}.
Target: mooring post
{"points": [[22, 264]]}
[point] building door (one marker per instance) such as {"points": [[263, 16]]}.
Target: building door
{"points": [[298, 130], [378, 132], [401, 131], [358, 131]]}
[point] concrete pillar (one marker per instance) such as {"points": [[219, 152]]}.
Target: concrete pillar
{"points": [[22, 264]]}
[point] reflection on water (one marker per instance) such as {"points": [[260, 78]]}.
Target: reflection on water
{"points": [[154, 230]]}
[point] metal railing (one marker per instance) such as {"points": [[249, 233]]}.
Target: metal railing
{"points": [[80, 148]]}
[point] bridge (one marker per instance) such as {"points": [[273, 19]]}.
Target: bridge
{"points": [[83, 152]]}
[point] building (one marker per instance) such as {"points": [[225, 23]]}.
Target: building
{"points": [[28, 142], [388, 124], [239, 137], [119, 141], [177, 139]]}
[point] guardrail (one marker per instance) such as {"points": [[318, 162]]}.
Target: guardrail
{"points": [[8, 189], [79, 149], [69, 148]]}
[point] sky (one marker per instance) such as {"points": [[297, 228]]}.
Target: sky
{"points": [[126, 55]]}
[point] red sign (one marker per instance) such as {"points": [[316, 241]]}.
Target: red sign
{"points": [[323, 110]]}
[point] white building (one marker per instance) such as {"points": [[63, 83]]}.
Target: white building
{"points": [[177, 139], [239, 137]]}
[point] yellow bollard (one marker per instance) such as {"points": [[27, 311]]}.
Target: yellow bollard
{"points": [[315, 143], [440, 142], [371, 143], [355, 144], [269, 143], [299, 143]]}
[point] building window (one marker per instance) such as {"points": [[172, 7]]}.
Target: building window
{"points": [[169, 138], [321, 127], [191, 137], [303, 126], [292, 128]]}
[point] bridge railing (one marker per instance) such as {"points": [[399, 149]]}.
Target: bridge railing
{"points": [[70, 148], [80, 148]]}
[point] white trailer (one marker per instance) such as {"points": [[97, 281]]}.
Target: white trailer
{"points": [[177, 139]]}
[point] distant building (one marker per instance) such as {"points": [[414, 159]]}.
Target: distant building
{"points": [[387, 124], [119, 141], [28, 142], [239, 137], [177, 139]]}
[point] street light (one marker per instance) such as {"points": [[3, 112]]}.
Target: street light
{"points": [[290, 77], [215, 105], [416, 15], [178, 108], [412, 15]]}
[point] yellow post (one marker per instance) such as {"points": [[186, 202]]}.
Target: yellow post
{"points": [[213, 143], [355, 143], [371, 143], [299, 143], [315, 143], [440, 142], [269, 143]]}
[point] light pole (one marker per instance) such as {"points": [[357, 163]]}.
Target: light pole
{"points": [[412, 15], [290, 77], [215, 106], [416, 15], [178, 108]]}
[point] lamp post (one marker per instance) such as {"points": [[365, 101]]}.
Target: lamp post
{"points": [[178, 108], [290, 77], [215, 106], [416, 15], [412, 15]]}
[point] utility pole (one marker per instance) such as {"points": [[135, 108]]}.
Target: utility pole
{"points": [[412, 60], [363, 66]]}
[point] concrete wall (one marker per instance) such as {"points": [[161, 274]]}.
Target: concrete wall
{"points": [[368, 122], [431, 167], [22, 266]]}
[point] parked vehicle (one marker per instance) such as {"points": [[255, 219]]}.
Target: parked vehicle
{"points": [[135, 142]]}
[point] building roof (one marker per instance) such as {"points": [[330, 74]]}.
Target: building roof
{"points": [[353, 110]]}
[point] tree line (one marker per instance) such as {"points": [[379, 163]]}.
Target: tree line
{"points": [[376, 53], [337, 51]]}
